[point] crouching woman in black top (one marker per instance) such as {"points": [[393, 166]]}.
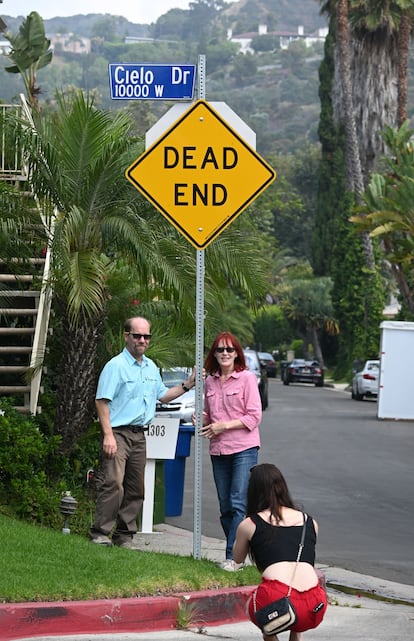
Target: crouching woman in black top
{"points": [[270, 534]]}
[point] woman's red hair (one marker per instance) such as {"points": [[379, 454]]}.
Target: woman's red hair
{"points": [[211, 365]]}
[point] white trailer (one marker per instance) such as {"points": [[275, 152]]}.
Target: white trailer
{"points": [[396, 390]]}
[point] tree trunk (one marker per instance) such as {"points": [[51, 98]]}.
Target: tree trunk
{"points": [[374, 70], [355, 182], [77, 380], [316, 345], [403, 47], [401, 279]]}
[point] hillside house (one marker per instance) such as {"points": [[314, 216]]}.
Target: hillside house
{"points": [[68, 42], [285, 37]]}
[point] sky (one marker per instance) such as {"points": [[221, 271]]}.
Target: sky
{"points": [[137, 11]]}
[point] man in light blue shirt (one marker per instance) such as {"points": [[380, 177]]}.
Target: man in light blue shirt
{"points": [[128, 389]]}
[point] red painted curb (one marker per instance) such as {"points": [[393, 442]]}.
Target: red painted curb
{"points": [[141, 614]]}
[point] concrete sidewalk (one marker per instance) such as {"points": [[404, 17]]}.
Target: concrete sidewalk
{"points": [[173, 540], [361, 607]]}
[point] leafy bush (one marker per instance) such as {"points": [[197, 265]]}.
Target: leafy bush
{"points": [[25, 489], [298, 348], [34, 477]]}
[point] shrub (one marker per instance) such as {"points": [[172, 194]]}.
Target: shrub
{"points": [[25, 488]]}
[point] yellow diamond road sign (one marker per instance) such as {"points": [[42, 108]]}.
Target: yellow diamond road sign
{"points": [[200, 174]]}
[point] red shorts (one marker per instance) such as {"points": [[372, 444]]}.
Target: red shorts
{"points": [[310, 605]]}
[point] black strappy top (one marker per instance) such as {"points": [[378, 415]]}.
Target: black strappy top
{"points": [[274, 543]]}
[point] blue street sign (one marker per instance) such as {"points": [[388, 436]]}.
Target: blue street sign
{"points": [[151, 82]]}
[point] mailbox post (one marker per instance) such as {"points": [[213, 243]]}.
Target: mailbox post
{"points": [[161, 444]]}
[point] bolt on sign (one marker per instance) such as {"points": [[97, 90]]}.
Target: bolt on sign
{"points": [[200, 174]]}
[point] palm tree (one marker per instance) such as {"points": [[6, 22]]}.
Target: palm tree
{"points": [[377, 68], [389, 26], [371, 90], [380, 33], [388, 213], [374, 67], [78, 158], [355, 183]]}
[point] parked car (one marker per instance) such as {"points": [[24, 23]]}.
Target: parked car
{"points": [[182, 407], [366, 381], [267, 360], [254, 365], [303, 371]]}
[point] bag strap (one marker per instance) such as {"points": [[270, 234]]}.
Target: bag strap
{"points": [[301, 546]]}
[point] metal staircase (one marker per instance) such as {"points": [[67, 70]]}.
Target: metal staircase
{"points": [[25, 292]]}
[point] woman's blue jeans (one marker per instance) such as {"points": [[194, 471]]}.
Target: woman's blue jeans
{"points": [[231, 475]]}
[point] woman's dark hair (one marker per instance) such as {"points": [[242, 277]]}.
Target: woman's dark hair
{"points": [[211, 365], [268, 490]]}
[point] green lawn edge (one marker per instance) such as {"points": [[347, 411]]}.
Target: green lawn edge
{"points": [[40, 564]]}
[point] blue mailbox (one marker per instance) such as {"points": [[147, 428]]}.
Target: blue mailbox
{"points": [[174, 471]]}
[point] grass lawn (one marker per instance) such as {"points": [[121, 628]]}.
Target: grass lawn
{"points": [[39, 564]]}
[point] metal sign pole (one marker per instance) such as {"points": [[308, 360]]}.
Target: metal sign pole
{"points": [[200, 222], [199, 363]]}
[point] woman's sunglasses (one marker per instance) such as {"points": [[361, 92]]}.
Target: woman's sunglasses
{"points": [[230, 350]]}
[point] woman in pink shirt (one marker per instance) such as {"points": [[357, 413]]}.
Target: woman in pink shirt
{"points": [[231, 419]]}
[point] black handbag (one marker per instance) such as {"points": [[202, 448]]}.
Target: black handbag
{"points": [[276, 617], [279, 615]]}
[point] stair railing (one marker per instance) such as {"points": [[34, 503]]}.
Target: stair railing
{"points": [[13, 167], [46, 294]]}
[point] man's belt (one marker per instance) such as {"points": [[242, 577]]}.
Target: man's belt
{"points": [[133, 428]]}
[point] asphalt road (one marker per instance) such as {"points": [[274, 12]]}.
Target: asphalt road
{"points": [[353, 472]]}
